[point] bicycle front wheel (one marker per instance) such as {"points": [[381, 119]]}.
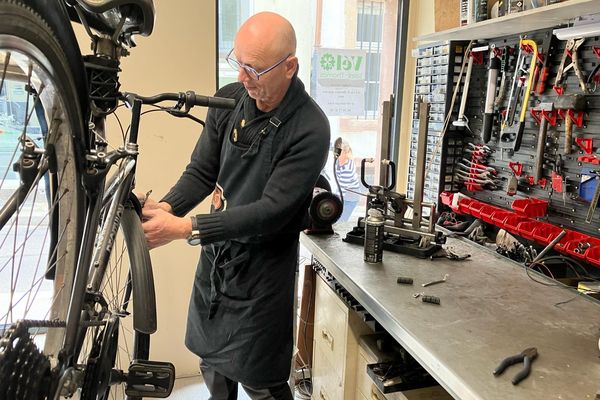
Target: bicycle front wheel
{"points": [[40, 197], [109, 349]]}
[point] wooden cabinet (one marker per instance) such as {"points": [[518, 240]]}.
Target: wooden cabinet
{"points": [[336, 333]]}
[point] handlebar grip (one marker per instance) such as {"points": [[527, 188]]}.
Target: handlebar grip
{"points": [[215, 102]]}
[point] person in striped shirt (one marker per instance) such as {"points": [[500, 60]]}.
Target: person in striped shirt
{"points": [[345, 170]]}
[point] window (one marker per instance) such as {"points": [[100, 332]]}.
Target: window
{"points": [[231, 14], [345, 25], [369, 37]]}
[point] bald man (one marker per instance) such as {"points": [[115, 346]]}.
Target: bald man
{"points": [[260, 161]]}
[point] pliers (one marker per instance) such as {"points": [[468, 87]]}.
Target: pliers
{"points": [[526, 357]]}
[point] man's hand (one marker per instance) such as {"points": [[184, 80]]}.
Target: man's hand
{"points": [[149, 203], [162, 227]]}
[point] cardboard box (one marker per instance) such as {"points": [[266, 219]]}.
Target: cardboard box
{"points": [[447, 14]]}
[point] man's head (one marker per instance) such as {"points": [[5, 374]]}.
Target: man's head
{"points": [[266, 40]]}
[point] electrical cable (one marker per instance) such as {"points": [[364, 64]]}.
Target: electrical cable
{"points": [[303, 390], [120, 125], [570, 263], [336, 161]]}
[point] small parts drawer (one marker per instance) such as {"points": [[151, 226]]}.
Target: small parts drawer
{"points": [[327, 381]]}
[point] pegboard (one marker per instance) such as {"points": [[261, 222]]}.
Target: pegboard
{"points": [[568, 209]]}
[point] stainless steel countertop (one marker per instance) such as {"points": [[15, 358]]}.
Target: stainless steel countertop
{"points": [[490, 309]]}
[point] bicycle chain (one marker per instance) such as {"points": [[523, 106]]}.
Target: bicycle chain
{"points": [[24, 370]]}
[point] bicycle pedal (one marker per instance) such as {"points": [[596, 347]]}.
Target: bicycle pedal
{"points": [[147, 378]]}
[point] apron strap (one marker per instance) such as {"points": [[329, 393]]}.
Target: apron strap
{"points": [[275, 121]]}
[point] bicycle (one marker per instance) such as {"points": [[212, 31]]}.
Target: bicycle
{"points": [[77, 301]]}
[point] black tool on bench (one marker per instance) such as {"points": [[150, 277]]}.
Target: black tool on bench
{"points": [[526, 357]]}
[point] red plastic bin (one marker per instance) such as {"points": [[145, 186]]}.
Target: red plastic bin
{"points": [[570, 242], [545, 233], [500, 217], [526, 228], [571, 249], [487, 213], [592, 255], [463, 205], [475, 208], [511, 223], [530, 207]]}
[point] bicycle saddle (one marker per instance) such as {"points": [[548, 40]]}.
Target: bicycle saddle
{"points": [[106, 15]]}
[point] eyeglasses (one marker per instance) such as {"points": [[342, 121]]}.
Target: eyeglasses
{"points": [[254, 74]]}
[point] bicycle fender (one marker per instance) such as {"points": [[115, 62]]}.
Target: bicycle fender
{"points": [[143, 294]]}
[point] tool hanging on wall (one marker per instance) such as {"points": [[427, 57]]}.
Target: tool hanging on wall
{"points": [[512, 184], [543, 115], [594, 200], [510, 137], [543, 65], [571, 50], [488, 112], [594, 77], [475, 56], [507, 55], [571, 107], [461, 121]]}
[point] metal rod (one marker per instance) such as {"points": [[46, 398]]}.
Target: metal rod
{"points": [[549, 247], [420, 165]]}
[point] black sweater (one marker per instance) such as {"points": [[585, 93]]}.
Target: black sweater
{"points": [[299, 154]]}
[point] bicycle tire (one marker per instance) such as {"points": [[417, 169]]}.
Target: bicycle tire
{"points": [[127, 278], [37, 57]]}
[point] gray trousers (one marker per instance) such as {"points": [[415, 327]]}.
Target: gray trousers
{"points": [[223, 388]]}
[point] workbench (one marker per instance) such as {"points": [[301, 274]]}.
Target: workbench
{"points": [[490, 309]]}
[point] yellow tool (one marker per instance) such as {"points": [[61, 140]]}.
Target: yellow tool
{"points": [[525, 46]]}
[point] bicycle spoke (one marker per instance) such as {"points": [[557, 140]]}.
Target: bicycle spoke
{"points": [[5, 69], [24, 240]]}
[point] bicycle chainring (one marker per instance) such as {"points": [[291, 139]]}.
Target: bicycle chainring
{"points": [[24, 369]]}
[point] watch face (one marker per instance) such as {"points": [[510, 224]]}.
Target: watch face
{"points": [[194, 239]]}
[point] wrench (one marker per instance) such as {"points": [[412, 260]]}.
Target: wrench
{"points": [[435, 282]]}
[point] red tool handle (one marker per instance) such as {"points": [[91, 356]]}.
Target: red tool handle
{"points": [[541, 84]]}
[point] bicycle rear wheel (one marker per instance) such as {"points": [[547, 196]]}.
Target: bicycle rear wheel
{"points": [[40, 196]]}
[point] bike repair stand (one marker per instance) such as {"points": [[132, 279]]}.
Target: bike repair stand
{"points": [[403, 232]]}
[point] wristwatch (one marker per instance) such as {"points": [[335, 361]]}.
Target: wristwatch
{"points": [[194, 237]]}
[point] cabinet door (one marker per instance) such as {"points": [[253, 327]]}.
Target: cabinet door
{"points": [[331, 326]]}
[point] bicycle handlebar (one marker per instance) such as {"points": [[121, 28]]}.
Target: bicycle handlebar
{"points": [[189, 99]]}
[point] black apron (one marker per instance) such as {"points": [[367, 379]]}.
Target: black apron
{"points": [[241, 310]]}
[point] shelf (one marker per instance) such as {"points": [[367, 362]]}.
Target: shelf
{"points": [[522, 22]]}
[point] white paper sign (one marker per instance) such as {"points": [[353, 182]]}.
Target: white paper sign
{"points": [[340, 88]]}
